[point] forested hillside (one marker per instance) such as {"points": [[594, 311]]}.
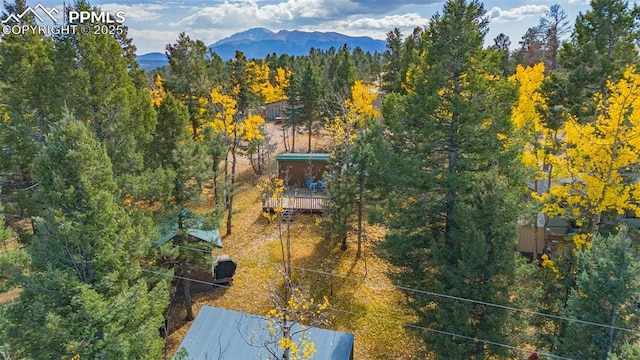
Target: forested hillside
{"points": [[446, 147]]}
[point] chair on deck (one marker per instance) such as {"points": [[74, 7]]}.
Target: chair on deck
{"points": [[311, 185]]}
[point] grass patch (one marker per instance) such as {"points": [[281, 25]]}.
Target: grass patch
{"points": [[362, 298]]}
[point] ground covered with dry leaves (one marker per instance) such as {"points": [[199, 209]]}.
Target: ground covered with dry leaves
{"points": [[362, 298]]}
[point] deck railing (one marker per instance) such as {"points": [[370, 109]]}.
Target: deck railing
{"points": [[296, 203]]}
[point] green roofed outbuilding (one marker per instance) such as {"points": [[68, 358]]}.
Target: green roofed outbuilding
{"points": [[298, 168], [196, 229]]}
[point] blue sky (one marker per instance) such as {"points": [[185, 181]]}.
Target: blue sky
{"points": [[154, 23]]}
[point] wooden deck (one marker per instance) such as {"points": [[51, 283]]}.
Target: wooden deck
{"points": [[301, 203]]}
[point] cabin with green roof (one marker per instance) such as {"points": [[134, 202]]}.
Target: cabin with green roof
{"points": [[297, 168]]}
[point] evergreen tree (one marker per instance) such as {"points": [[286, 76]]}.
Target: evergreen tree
{"points": [[5, 233], [310, 99], [603, 44], [84, 293], [392, 78], [188, 78], [457, 211], [96, 83], [606, 292], [179, 154], [343, 74], [25, 76]]}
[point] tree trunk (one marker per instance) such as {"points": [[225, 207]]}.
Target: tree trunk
{"points": [[187, 290], [289, 250], [453, 155], [612, 323], [343, 231], [360, 210], [310, 131], [225, 186], [230, 191], [216, 197], [285, 141], [293, 138]]}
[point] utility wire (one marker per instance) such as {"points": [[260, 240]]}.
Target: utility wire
{"points": [[451, 297], [412, 326]]}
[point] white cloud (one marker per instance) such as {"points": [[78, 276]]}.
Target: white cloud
{"points": [[410, 20], [579, 2], [249, 13], [498, 15], [136, 12], [152, 40]]}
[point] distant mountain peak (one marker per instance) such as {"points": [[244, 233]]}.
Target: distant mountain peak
{"points": [[259, 42], [254, 34]]}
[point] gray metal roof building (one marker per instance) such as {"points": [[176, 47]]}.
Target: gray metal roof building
{"points": [[225, 334]]}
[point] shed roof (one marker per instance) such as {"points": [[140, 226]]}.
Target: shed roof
{"points": [[169, 230], [303, 157], [227, 334]]}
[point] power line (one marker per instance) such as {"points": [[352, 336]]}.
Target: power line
{"points": [[451, 297], [412, 326]]}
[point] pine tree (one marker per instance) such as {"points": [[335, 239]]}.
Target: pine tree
{"points": [[95, 83], [310, 98], [457, 210], [84, 293], [606, 293], [184, 158], [188, 78], [25, 76], [602, 46], [392, 77]]}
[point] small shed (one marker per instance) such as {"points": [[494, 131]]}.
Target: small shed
{"points": [[169, 230], [225, 334], [297, 168], [274, 111]]}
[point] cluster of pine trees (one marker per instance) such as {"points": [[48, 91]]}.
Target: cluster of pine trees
{"points": [[470, 143], [482, 139]]}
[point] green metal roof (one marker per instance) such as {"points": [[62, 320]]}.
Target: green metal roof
{"points": [[303, 157], [169, 230]]}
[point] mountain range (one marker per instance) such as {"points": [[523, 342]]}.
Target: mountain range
{"points": [[259, 42]]}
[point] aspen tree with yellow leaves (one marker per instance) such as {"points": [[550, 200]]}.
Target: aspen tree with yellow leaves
{"points": [[531, 133], [233, 117], [288, 321], [262, 84], [598, 158], [347, 170]]}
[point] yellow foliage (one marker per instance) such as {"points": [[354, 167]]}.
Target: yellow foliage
{"points": [[359, 108], [360, 105], [581, 241], [527, 117], [225, 120], [596, 153], [225, 111], [549, 264], [157, 92], [251, 128], [261, 83], [297, 309]]}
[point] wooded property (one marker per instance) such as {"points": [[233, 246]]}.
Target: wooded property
{"points": [[443, 199]]}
